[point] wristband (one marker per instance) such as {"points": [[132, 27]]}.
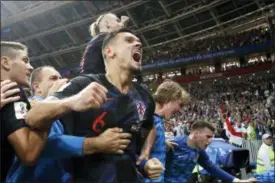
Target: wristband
{"points": [[141, 167]]}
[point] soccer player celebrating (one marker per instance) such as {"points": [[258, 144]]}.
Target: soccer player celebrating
{"points": [[54, 162], [169, 98], [17, 137], [121, 103], [191, 150]]}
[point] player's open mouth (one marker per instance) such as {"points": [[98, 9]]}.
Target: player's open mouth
{"points": [[137, 56]]}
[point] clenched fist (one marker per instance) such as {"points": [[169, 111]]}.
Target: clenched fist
{"points": [[93, 96], [153, 168], [125, 20]]}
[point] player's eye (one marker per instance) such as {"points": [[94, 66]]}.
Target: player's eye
{"points": [[129, 39]]}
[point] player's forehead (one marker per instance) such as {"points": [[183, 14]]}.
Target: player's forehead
{"points": [[21, 54], [208, 132], [48, 71], [126, 35]]}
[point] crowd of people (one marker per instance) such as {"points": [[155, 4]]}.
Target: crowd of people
{"points": [[102, 127], [180, 49], [249, 103]]}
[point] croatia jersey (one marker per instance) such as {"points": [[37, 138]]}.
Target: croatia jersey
{"points": [[133, 112]]}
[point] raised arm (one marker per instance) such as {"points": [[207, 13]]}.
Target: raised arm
{"points": [[51, 109]]}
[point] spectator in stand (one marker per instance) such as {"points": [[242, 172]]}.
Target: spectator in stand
{"points": [[251, 131], [243, 106], [265, 159], [214, 44], [260, 130]]}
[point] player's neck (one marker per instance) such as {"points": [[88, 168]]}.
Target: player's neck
{"points": [[159, 110], [120, 79]]}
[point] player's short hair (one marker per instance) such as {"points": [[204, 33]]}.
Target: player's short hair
{"points": [[111, 36], [10, 49], [170, 91], [199, 125], [94, 27], [36, 75]]}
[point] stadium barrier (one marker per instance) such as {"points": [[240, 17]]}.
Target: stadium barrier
{"points": [[253, 146]]}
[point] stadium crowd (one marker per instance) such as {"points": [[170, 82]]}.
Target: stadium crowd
{"points": [[180, 48], [102, 127], [248, 102]]}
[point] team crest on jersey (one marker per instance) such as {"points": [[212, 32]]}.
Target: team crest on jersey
{"points": [[20, 109], [141, 109]]}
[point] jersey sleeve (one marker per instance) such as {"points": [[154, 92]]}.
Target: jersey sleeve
{"points": [[73, 87], [66, 146], [92, 59], [207, 164], [13, 115]]}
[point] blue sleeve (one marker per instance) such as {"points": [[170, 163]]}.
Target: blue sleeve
{"points": [[62, 146], [205, 162]]}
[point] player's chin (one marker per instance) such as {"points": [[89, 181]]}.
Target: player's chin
{"points": [[24, 83]]}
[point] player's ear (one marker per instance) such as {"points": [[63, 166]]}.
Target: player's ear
{"points": [[5, 63], [109, 52], [36, 87]]}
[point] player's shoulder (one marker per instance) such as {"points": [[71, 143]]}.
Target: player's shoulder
{"points": [[182, 140], [19, 108], [146, 94], [97, 39], [84, 79], [99, 78], [142, 89]]}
